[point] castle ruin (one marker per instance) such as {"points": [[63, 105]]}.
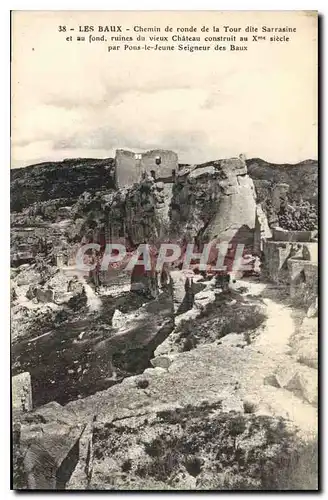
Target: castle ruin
{"points": [[131, 166]]}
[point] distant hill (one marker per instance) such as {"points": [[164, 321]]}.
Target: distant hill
{"points": [[68, 179], [302, 177], [65, 179]]}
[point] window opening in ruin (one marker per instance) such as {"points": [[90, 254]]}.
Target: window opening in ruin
{"points": [[158, 160]]}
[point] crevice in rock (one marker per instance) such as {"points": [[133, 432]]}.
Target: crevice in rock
{"points": [[67, 467]]}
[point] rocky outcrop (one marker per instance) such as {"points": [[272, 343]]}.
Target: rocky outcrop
{"points": [[49, 438], [301, 380], [305, 342], [198, 446], [235, 214], [214, 201], [193, 204], [282, 259], [146, 212], [177, 424]]}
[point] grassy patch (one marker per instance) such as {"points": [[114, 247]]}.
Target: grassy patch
{"points": [[229, 313], [221, 451]]}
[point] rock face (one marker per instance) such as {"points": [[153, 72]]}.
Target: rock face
{"points": [[297, 379], [215, 200], [235, 214], [193, 204], [275, 257], [49, 437], [206, 203], [146, 212], [303, 279], [282, 259], [201, 203]]}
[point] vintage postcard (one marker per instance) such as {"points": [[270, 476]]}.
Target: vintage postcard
{"points": [[164, 250]]}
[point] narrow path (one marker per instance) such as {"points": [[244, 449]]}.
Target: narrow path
{"points": [[93, 301], [274, 342], [280, 324]]}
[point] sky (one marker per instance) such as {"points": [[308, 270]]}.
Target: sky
{"points": [[73, 99]]}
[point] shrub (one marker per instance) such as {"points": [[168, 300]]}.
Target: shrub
{"points": [[299, 217]]}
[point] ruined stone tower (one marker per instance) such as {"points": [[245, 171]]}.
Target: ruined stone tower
{"points": [[130, 166]]}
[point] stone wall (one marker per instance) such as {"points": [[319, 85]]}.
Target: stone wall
{"points": [[278, 256], [169, 162], [130, 165], [127, 168]]}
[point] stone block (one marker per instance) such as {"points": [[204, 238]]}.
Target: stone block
{"points": [[22, 392], [161, 362], [197, 172], [82, 473], [280, 234], [304, 384], [303, 278]]}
